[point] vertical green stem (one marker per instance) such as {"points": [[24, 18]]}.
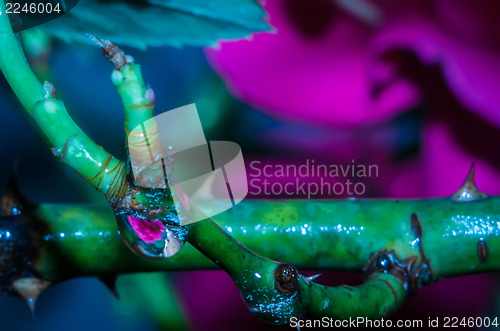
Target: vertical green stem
{"points": [[15, 67], [69, 142]]}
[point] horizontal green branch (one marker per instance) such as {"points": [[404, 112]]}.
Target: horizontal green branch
{"points": [[399, 244], [336, 235]]}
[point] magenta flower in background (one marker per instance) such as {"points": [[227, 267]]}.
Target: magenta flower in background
{"points": [[462, 37], [325, 64], [319, 74], [345, 63]]}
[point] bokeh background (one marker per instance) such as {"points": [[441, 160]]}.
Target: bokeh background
{"points": [[411, 87]]}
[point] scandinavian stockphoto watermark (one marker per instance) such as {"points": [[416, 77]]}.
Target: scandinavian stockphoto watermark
{"points": [[310, 179], [170, 150]]}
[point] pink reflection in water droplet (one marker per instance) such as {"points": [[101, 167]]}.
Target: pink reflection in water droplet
{"points": [[148, 230]]}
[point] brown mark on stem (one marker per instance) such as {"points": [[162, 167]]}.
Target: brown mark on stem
{"points": [[286, 279], [112, 52], [65, 148], [482, 251], [392, 289], [410, 272], [118, 185], [104, 166], [421, 273], [416, 228], [347, 287]]}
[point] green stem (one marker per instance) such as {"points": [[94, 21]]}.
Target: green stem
{"points": [[378, 297], [138, 101], [37, 46], [14, 66], [69, 142], [336, 235]]}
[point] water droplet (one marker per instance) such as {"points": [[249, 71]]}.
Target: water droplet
{"points": [[151, 238]]}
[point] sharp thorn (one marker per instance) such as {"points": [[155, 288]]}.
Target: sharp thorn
{"points": [[309, 279], [110, 282], [468, 191], [29, 289], [31, 305]]}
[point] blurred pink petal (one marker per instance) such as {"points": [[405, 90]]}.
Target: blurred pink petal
{"points": [[461, 38], [326, 80], [340, 78]]}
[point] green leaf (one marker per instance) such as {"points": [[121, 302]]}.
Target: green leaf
{"points": [[144, 23]]}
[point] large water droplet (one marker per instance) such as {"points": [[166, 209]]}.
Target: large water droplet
{"points": [[150, 238]]}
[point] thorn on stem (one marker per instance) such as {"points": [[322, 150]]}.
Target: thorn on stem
{"points": [[309, 279], [30, 289], [468, 191]]}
